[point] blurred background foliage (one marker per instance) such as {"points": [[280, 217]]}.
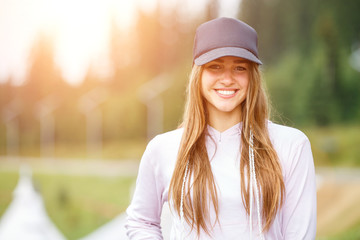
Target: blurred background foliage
{"points": [[306, 47]]}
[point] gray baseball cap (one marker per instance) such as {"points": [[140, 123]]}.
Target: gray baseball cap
{"points": [[225, 37]]}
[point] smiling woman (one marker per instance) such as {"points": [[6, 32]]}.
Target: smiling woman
{"points": [[227, 172]]}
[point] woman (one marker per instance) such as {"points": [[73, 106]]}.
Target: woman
{"points": [[227, 172]]}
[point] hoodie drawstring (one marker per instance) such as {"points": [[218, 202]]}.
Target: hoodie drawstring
{"points": [[253, 184]]}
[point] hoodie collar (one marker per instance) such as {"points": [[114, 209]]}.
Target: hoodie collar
{"points": [[230, 132]]}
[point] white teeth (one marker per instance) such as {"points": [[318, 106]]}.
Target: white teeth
{"points": [[226, 92]]}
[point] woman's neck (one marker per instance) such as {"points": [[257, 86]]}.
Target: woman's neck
{"points": [[224, 121]]}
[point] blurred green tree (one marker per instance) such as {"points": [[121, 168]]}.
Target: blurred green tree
{"points": [[306, 46]]}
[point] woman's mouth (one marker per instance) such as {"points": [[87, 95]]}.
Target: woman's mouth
{"points": [[226, 93]]}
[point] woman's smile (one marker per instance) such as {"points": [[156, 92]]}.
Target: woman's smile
{"points": [[226, 93]]}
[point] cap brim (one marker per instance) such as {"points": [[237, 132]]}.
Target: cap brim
{"points": [[226, 51]]}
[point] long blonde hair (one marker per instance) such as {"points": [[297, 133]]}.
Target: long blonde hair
{"points": [[193, 151]]}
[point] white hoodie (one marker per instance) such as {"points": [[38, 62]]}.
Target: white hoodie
{"points": [[295, 220]]}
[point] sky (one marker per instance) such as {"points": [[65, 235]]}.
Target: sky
{"points": [[80, 30]]}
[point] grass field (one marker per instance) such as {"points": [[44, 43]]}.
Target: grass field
{"points": [[335, 145], [352, 233], [76, 204]]}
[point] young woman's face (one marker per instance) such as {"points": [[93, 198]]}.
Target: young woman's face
{"points": [[224, 84]]}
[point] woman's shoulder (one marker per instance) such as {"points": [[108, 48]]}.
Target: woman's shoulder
{"points": [[168, 140], [168, 137], [285, 134], [161, 152]]}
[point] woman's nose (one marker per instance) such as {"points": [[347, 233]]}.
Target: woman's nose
{"points": [[226, 77]]}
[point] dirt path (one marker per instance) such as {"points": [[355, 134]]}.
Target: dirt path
{"points": [[338, 200]]}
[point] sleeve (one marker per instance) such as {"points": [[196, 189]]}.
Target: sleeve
{"points": [[299, 210], [143, 221]]}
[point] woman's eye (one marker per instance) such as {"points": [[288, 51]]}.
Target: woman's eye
{"points": [[240, 68], [214, 66]]}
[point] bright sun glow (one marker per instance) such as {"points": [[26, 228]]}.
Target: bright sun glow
{"points": [[80, 29]]}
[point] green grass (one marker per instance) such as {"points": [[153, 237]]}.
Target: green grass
{"points": [[335, 145], [77, 205], [8, 181], [129, 149], [351, 234]]}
